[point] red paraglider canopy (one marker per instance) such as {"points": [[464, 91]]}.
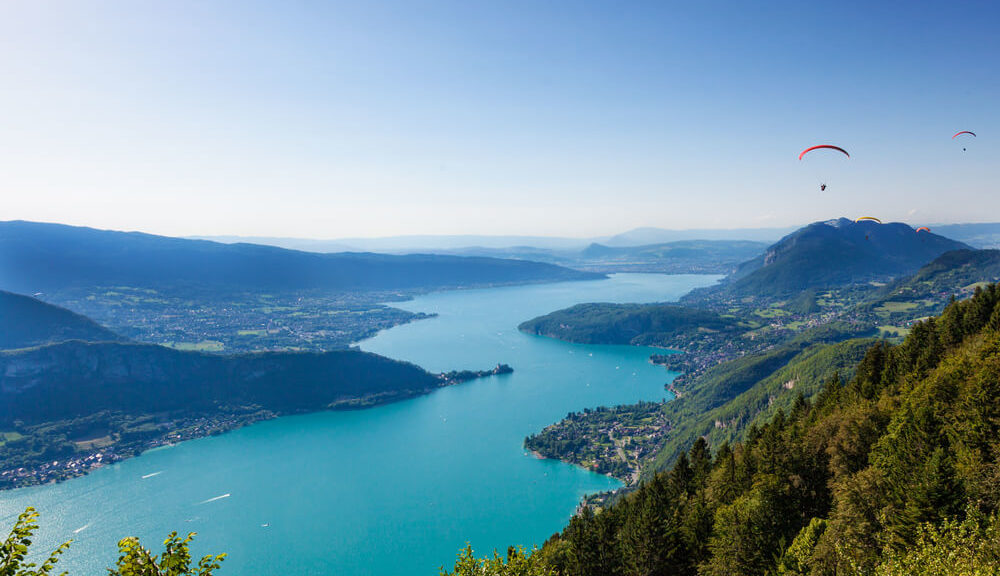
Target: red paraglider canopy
{"points": [[953, 137], [830, 146]]}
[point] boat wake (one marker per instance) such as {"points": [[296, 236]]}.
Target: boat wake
{"points": [[214, 499]]}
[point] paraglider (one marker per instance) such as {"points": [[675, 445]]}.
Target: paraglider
{"points": [[823, 146], [923, 229], [957, 134], [822, 185], [867, 219]]}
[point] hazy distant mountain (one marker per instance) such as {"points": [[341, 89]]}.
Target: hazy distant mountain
{"points": [[838, 252], [642, 236], [420, 243], [25, 321], [39, 257], [304, 244], [985, 235], [489, 245], [723, 255]]}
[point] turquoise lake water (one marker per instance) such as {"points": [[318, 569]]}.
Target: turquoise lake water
{"points": [[392, 490]]}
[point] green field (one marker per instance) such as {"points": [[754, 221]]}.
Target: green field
{"points": [[771, 312], [6, 437], [893, 331], [203, 346]]}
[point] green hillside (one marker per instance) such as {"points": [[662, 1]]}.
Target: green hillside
{"points": [[894, 471], [801, 378], [956, 273], [640, 324]]}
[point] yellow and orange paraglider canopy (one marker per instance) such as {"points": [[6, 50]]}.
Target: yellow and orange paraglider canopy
{"points": [[923, 229], [868, 219]]}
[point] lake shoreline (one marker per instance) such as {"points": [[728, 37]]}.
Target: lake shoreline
{"points": [[205, 425]]}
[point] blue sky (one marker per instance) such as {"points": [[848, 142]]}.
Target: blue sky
{"points": [[330, 119]]}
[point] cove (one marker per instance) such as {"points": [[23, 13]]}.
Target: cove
{"points": [[393, 490]]}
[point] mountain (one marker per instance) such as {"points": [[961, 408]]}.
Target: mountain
{"points": [[836, 253], [27, 321], [431, 243], [39, 257]]}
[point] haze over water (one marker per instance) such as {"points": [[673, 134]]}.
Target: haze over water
{"points": [[393, 490]]}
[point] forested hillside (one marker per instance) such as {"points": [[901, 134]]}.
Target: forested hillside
{"points": [[641, 324], [767, 390], [893, 471]]}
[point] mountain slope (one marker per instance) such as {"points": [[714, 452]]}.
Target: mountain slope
{"points": [[40, 257], [951, 271], [25, 321], [835, 253], [956, 273], [882, 474], [803, 375]]}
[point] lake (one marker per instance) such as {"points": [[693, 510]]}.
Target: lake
{"points": [[392, 490]]}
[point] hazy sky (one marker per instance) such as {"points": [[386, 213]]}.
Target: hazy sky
{"points": [[334, 119]]}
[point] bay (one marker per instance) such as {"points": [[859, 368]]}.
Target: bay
{"points": [[392, 490]]}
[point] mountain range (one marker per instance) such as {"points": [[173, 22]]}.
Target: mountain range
{"points": [[39, 257]]}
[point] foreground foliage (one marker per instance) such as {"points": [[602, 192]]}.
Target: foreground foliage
{"points": [[14, 550], [133, 559], [892, 472], [517, 563]]}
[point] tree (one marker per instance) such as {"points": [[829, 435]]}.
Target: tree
{"points": [[134, 560], [517, 563], [968, 548], [15, 548]]}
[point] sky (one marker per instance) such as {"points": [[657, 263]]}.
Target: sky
{"points": [[564, 118]]}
